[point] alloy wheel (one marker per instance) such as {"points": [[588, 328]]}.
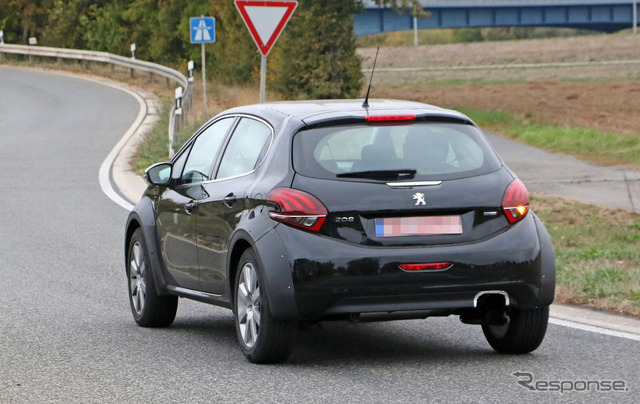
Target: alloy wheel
{"points": [[248, 303], [137, 281]]}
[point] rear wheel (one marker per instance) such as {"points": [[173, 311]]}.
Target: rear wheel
{"points": [[263, 338], [522, 331], [148, 308]]}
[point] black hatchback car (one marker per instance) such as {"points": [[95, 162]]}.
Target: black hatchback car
{"points": [[297, 212]]}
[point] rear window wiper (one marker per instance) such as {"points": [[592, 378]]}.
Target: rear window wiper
{"points": [[380, 174]]}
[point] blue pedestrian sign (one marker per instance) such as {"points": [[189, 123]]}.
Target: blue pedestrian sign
{"points": [[203, 29]]}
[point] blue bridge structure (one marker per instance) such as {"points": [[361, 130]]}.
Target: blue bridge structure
{"points": [[597, 15]]}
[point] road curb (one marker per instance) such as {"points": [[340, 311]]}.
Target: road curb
{"points": [[596, 318], [123, 176]]}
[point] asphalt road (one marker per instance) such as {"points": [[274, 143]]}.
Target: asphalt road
{"points": [[67, 335]]}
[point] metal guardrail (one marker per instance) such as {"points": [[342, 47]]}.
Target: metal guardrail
{"points": [[104, 57]]}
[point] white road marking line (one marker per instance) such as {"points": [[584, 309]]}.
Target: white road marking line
{"points": [[594, 329], [105, 168]]}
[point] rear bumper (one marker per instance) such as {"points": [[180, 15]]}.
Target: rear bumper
{"points": [[332, 277]]}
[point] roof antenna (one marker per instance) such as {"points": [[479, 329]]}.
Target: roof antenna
{"points": [[365, 104]]}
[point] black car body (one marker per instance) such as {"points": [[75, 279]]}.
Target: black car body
{"points": [[309, 211]]}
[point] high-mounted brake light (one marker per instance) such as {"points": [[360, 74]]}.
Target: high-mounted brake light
{"points": [[515, 201], [429, 266], [382, 118], [297, 208]]}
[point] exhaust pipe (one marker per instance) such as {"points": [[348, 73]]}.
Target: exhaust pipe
{"points": [[492, 298], [488, 308]]}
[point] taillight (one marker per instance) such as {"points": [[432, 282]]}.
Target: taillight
{"points": [[297, 208], [515, 201], [428, 266]]}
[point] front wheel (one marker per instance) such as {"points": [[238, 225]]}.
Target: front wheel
{"points": [[263, 338], [148, 308], [522, 331]]}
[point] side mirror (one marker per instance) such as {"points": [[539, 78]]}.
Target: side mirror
{"points": [[158, 174]]}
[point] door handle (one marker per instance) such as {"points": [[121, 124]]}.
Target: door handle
{"points": [[229, 200], [189, 207]]}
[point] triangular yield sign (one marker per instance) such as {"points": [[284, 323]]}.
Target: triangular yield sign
{"points": [[265, 20]]}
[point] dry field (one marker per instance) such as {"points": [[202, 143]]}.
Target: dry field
{"points": [[603, 97]]}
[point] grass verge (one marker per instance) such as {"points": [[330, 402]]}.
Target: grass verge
{"points": [[597, 254], [600, 147], [155, 147]]}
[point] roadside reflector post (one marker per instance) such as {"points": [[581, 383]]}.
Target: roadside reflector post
{"points": [[133, 56], [33, 41], [177, 118], [190, 66], [265, 21], [178, 94], [1, 37]]}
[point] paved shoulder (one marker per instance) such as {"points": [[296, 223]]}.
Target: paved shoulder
{"points": [[568, 177]]}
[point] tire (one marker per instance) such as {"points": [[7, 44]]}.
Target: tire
{"points": [[263, 338], [522, 333], [148, 308]]}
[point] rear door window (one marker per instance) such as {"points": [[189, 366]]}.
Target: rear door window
{"points": [[433, 150], [245, 150]]}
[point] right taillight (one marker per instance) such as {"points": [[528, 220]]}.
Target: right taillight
{"points": [[297, 208], [515, 201]]}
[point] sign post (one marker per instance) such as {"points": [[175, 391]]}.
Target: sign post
{"points": [[203, 30], [265, 21], [635, 17]]}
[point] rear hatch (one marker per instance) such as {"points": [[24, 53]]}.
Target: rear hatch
{"points": [[403, 183]]}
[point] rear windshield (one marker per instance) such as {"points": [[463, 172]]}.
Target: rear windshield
{"points": [[428, 151]]}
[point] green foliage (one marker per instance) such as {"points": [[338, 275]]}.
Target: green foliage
{"points": [[22, 19], [105, 29]]}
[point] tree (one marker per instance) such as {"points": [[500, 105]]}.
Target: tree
{"points": [[235, 56], [317, 57], [24, 18]]}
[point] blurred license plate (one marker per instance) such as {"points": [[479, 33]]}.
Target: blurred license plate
{"points": [[418, 226]]}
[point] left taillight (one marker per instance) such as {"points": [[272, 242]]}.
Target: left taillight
{"points": [[515, 201], [297, 208]]}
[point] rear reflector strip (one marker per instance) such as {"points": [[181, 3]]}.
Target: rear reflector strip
{"points": [[429, 266], [418, 226]]}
